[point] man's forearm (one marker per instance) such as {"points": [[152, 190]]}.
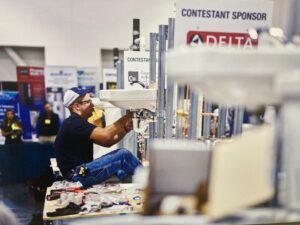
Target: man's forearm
{"points": [[111, 134]]}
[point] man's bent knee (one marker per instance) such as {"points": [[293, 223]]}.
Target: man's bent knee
{"points": [[124, 151]]}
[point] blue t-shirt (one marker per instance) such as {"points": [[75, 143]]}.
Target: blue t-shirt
{"points": [[73, 145]]}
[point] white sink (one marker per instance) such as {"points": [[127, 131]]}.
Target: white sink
{"points": [[131, 99], [233, 76]]}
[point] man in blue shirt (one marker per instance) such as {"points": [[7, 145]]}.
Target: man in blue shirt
{"points": [[74, 143]]}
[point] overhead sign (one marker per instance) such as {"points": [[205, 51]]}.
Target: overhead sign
{"points": [[219, 22]]}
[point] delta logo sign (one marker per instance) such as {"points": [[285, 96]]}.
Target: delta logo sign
{"points": [[204, 38]]}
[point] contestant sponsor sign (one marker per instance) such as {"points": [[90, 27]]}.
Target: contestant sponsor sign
{"points": [[220, 22]]}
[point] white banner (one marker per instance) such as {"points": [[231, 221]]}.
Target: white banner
{"points": [[61, 76], [136, 69], [57, 80], [219, 22], [89, 77]]}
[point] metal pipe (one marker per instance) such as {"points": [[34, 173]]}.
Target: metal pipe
{"points": [[193, 118], [206, 120], [153, 40], [152, 70], [238, 120], [180, 106], [170, 85], [136, 35], [161, 80], [115, 56], [221, 122], [120, 74]]}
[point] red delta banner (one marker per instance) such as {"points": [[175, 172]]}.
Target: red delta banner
{"points": [[31, 88], [240, 40]]}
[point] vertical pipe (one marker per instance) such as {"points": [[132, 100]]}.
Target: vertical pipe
{"points": [[120, 74], [180, 106], [120, 85], [115, 56], [193, 111], [207, 120], [238, 120], [221, 122], [161, 80], [153, 40], [152, 70], [170, 85], [171, 30], [136, 35]]}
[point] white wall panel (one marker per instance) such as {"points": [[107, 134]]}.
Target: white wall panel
{"points": [[73, 31]]}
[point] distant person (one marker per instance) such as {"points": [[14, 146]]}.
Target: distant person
{"points": [[47, 125], [11, 128]]}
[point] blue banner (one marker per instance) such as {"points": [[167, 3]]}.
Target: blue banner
{"points": [[9, 100]]}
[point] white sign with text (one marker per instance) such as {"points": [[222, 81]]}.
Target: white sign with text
{"points": [[219, 22]]}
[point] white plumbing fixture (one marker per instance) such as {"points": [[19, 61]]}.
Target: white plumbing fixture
{"points": [[130, 99], [233, 76], [141, 102]]}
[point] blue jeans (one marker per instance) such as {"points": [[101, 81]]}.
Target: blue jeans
{"points": [[119, 162]]}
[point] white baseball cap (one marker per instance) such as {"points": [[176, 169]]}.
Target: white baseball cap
{"points": [[72, 94]]}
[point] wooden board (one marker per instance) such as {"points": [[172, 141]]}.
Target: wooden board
{"points": [[135, 199]]}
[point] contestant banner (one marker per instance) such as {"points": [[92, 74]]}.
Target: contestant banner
{"points": [[220, 22], [31, 88], [89, 77], [57, 80], [136, 69]]}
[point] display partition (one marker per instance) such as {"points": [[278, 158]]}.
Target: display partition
{"points": [[88, 78], [31, 88], [57, 80]]}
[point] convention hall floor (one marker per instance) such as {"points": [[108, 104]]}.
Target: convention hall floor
{"points": [[18, 199]]}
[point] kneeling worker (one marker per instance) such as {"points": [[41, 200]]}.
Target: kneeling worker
{"points": [[74, 143]]}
